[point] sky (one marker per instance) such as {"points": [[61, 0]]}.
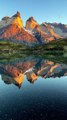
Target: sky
{"points": [[41, 10]]}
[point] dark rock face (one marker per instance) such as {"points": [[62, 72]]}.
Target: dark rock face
{"points": [[17, 15], [5, 18], [31, 19]]}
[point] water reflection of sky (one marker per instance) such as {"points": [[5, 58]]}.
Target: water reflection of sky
{"points": [[44, 95]]}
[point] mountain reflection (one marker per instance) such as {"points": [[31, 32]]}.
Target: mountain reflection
{"points": [[32, 68]]}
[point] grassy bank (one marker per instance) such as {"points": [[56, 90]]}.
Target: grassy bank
{"points": [[54, 47]]}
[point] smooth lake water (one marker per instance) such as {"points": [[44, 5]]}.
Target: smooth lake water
{"points": [[33, 89]]}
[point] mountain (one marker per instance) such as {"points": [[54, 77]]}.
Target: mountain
{"points": [[44, 33], [31, 24], [49, 29], [13, 29], [60, 29]]}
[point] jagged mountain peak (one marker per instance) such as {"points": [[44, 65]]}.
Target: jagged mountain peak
{"points": [[31, 19], [31, 23], [17, 14], [15, 19]]}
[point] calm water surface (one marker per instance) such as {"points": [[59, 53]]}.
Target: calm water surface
{"points": [[33, 89]]}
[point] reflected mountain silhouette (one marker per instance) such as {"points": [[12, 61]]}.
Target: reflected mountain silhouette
{"points": [[32, 68]]}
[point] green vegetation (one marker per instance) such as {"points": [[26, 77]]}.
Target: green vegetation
{"points": [[9, 49], [10, 46], [57, 45], [55, 50]]}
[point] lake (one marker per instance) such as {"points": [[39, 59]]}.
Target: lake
{"points": [[33, 88]]}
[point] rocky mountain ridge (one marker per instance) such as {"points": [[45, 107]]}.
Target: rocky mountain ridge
{"points": [[13, 29]]}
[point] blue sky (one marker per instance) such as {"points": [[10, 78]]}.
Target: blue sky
{"points": [[41, 10]]}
